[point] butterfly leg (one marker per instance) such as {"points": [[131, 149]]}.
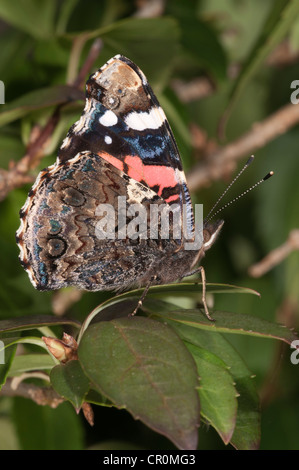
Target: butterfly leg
{"points": [[141, 300], [201, 270]]}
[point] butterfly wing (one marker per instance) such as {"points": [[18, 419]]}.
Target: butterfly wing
{"points": [[60, 239], [124, 124], [121, 147]]}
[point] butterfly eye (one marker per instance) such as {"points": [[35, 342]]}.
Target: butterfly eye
{"points": [[210, 233], [206, 235]]}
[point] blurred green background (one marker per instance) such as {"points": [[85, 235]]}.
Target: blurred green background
{"points": [[246, 53]]}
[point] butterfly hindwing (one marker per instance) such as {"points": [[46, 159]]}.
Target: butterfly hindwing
{"points": [[65, 247]]}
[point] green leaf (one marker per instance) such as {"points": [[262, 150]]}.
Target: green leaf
{"points": [[44, 428], [198, 38], [187, 288], [38, 99], [139, 39], [247, 430], [176, 290], [8, 438], [143, 366], [66, 9], [10, 342], [30, 362], [6, 359], [51, 52], [227, 322], [96, 398], [33, 322], [273, 234], [70, 382], [278, 23], [35, 17], [217, 393], [11, 149], [294, 37]]}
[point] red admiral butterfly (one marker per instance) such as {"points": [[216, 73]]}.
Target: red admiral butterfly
{"points": [[121, 150]]}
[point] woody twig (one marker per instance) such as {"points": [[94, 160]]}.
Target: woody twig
{"points": [[17, 174], [40, 395], [195, 89], [276, 256], [224, 160]]}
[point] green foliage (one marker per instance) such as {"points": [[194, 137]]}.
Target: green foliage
{"points": [[45, 431], [170, 368], [148, 371], [70, 382]]}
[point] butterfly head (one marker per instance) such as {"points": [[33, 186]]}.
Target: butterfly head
{"points": [[211, 231]]}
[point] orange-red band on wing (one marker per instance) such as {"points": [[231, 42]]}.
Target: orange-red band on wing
{"points": [[119, 164], [152, 175]]}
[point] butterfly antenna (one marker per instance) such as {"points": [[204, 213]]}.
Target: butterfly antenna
{"points": [[210, 214], [271, 173]]}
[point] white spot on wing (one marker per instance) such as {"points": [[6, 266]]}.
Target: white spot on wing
{"points": [[108, 139], [145, 120], [108, 119]]}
